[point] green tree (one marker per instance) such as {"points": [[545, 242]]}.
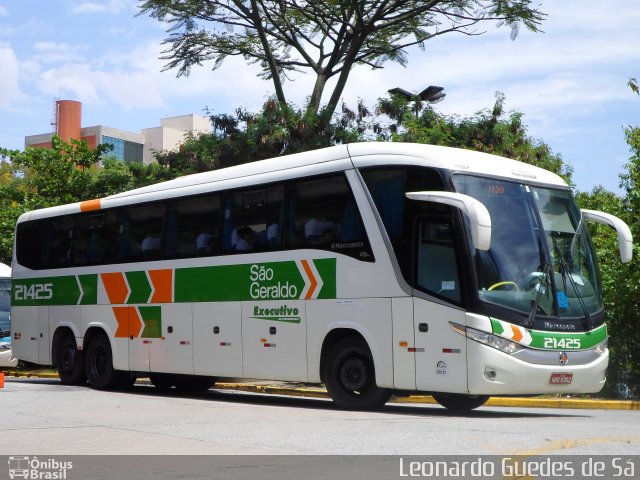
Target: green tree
{"points": [[492, 130], [113, 177], [326, 37], [45, 177], [621, 284], [275, 130], [56, 175]]}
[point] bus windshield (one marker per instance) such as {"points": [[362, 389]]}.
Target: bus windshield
{"points": [[541, 260]]}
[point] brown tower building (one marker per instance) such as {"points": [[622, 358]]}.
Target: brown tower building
{"points": [[68, 119]]}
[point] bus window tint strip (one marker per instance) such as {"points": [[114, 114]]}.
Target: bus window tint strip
{"points": [[314, 213]]}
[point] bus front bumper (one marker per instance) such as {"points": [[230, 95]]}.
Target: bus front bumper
{"points": [[492, 372]]}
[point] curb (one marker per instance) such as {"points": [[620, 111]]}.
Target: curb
{"points": [[318, 392], [428, 399]]}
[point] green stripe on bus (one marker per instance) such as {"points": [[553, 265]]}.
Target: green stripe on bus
{"points": [[568, 341], [258, 281], [138, 286], [496, 327], [89, 284], [152, 319], [541, 339], [327, 269], [286, 280], [46, 291]]}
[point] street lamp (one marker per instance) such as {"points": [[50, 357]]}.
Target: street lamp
{"points": [[432, 94]]}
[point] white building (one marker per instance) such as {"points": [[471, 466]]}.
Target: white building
{"points": [[127, 146]]}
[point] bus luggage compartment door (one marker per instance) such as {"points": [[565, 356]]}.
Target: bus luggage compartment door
{"points": [[274, 339], [217, 339], [171, 350], [26, 342]]}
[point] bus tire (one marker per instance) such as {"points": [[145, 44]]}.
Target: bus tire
{"points": [[350, 377], [457, 402], [183, 383], [70, 362], [194, 383], [162, 381], [99, 365]]}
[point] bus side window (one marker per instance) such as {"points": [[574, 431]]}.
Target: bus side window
{"points": [[388, 186], [59, 245], [31, 244], [86, 244], [252, 219], [436, 266], [323, 214], [104, 240], [192, 227], [145, 229]]}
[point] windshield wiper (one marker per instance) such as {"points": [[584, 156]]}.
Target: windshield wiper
{"points": [[566, 273], [543, 286], [564, 270]]}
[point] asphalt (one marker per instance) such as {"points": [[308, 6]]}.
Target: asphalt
{"points": [[293, 389]]}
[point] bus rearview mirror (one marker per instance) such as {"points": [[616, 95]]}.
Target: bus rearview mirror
{"points": [[476, 212], [625, 239]]}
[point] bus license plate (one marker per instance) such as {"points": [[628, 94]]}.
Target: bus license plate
{"points": [[561, 378]]}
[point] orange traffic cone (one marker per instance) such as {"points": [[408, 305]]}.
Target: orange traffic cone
{"points": [[1, 379]]}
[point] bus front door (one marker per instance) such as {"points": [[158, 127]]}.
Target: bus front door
{"points": [[441, 364]]}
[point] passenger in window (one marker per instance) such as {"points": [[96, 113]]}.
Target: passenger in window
{"points": [[246, 239], [204, 242], [151, 244], [273, 235], [236, 237], [318, 230]]}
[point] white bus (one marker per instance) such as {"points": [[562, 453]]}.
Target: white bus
{"points": [[374, 268]]}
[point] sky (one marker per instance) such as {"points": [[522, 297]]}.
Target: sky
{"points": [[570, 82]]}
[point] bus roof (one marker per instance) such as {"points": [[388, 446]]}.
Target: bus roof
{"points": [[454, 159], [336, 158]]}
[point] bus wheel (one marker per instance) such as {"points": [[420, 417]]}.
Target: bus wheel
{"points": [[162, 381], [350, 376], [460, 403], [70, 362], [194, 383], [99, 365], [183, 383]]}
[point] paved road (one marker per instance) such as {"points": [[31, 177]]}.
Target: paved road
{"points": [[41, 416]]}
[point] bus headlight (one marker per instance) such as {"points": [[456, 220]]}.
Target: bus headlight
{"points": [[499, 343], [602, 347]]}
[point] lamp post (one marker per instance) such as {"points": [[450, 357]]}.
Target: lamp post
{"points": [[432, 94]]}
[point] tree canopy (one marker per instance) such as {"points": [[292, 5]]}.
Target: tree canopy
{"points": [[326, 37], [45, 177], [621, 285], [491, 130]]}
